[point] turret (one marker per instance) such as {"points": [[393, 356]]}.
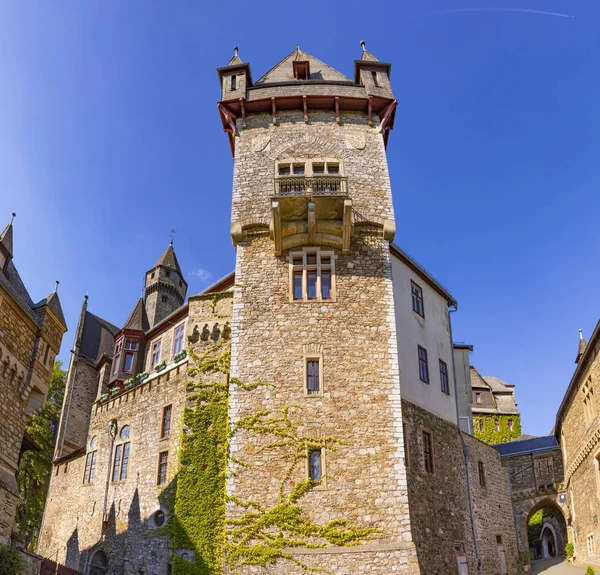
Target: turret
{"points": [[165, 287], [6, 245]]}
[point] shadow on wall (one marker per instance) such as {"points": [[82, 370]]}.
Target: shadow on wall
{"points": [[137, 546]]}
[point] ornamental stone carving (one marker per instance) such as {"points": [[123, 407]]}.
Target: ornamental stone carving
{"points": [[357, 141], [260, 143]]}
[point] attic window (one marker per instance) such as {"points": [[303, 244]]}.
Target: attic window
{"points": [[301, 70]]}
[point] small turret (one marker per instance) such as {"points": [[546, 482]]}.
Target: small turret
{"points": [[6, 245], [373, 74], [581, 348], [165, 287], [235, 78]]}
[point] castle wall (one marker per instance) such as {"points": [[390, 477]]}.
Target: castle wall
{"points": [[439, 501]]}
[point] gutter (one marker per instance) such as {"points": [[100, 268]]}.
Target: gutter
{"points": [[465, 446]]}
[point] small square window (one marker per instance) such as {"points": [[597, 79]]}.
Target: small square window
{"points": [[298, 169], [333, 168], [284, 170], [163, 299], [168, 274], [499, 539], [318, 169], [311, 259]]}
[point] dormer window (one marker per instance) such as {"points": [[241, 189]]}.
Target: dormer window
{"points": [[301, 70], [133, 345]]}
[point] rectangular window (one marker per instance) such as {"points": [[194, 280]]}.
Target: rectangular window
{"points": [[312, 376], [298, 169], [478, 398], [314, 465], [499, 539], [132, 345], [178, 339], [90, 467], [312, 277], [125, 461], [417, 299], [298, 285], [375, 81], [590, 544], [444, 377], [128, 368], [481, 425], [165, 427], [496, 424], [318, 169], [284, 170], [423, 367], [163, 467], [156, 352], [428, 451], [481, 473], [117, 463], [333, 168], [234, 82], [510, 425], [116, 364], [312, 285]]}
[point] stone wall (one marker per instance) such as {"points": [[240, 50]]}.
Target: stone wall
{"points": [[439, 501]]}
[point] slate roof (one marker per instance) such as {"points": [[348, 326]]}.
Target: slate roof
{"points": [[53, 302], [6, 238], [98, 337], [138, 320], [499, 385], [284, 70], [477, 380], [14, 285], [544, 443], [169, 260]]}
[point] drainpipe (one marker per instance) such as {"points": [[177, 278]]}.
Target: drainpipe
{"points": [[112, 432], [464, 445]]}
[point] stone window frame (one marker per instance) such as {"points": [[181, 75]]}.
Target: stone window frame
{"points": [[596, 463], [313, 352], [303, 253], [322, 484], [122, 442], [163, 511], [429, 432], [308, 166], [591, 548], [589, 408], [481, 474], [161, 435]]}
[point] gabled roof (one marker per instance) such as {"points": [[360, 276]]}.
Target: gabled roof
{"points": [[169, 260], [138, 320], [499, 385], [284, 70], [366, 55], [477, 380], [98, 337], [6, 239], [53, 302], [546, 443]]}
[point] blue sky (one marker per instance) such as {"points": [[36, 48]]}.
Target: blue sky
{"points": [[110, 137]]}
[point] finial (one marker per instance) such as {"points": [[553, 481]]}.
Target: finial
{"points": [[297, 47], [56, 287], [235, 50], [364, 45], [85, 297], [13, 218], [172, 236], [580, 334]]}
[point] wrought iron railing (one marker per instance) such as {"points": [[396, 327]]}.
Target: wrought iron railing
{"points": [[311, 186]]}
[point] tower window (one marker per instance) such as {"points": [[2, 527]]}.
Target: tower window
{"points": [[156, 352], [301, 70], [163, 467], [165, 427], [46, 354], [121, 462], [417, 299], [312, 276], [375, 81], [481, 425], [497, 424], [234, 82], [132, 345], [164, 299], [423, 367], [315, 471]]}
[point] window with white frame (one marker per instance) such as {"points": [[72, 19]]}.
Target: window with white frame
{"points": [[156, 352], [312, 275], [178, 339]]}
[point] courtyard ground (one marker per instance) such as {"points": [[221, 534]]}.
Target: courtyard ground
{"points": [[555, 566]]}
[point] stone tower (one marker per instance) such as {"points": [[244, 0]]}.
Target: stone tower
{"points": [[165, 287], [312, 220]]}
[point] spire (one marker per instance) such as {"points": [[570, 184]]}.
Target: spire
{"points": [[6, 238], [236, 59], [366, 55], [581, 348], [138, 319], [169, 260]]}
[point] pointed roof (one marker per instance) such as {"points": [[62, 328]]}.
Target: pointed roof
{"points": [[236, 59], [169, 260], [53, 302], [284, 70], [138, 320], [366, 55], [98, 337], [6, 237], [581, 347]]}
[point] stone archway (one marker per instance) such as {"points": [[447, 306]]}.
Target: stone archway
{"points": [[546, 530]]}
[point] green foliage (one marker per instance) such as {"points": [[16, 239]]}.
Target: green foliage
{"points": [[589, 571], [534, 527], [10, 560], [489, 434], [524, 557], [569, 550], [35, 466]]}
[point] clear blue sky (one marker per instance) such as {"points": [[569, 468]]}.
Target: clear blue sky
{"points": [[109, 137]]}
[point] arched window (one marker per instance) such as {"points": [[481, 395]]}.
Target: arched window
{"points": [[99, 564], [121, 460]]}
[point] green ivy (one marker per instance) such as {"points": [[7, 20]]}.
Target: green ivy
{"points": [[11, 562], [197, 498], [489, 434]]}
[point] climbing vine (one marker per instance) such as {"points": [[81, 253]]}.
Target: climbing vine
{"points": [[489, 434], [259, 535]]}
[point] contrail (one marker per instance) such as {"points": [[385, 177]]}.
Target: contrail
{"points": [[521, 10]]}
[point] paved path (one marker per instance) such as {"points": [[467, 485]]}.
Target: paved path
{"points": [[556, 566]]}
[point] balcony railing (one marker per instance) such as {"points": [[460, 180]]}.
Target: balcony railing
{"points": [[311, 186]]}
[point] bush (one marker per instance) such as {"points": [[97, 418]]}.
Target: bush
{"points": [[589, 571], [569, 551], [10, 560], [524, 557]]}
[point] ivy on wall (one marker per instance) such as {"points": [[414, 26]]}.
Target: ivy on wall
{"points": [[489, 434], [260, 535]]}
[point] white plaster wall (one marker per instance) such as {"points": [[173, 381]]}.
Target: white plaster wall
{"points": [[432, 333]]}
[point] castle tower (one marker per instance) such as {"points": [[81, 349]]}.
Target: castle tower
{"points": [[165, 287], [312, 220]]}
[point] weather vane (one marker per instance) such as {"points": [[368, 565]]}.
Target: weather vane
{"points": [[172, 235]]}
